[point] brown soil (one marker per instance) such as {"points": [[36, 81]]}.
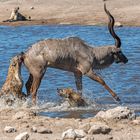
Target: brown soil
{"points": [[121, 130]]}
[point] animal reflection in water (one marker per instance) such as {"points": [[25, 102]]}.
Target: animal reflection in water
{"points": [[74, 98], [13, 84], [74, 55]]}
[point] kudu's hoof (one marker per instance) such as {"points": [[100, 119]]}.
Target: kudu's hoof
{"points": [[117, 99]]}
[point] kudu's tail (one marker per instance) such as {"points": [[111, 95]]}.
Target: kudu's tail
{"points": [[111, 28], [22, 56]]}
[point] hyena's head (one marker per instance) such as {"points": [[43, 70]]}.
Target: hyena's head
{"points": [[65, 92], [15, 63]]}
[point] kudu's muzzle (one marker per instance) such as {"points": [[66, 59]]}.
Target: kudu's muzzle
{"points": [[122, 57]]}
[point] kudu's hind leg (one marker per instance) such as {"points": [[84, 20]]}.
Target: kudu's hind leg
{"points": [[98, 79], [34, 88], [29, 84], [78, 81]]}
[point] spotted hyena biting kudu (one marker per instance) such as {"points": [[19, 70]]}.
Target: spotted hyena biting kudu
{"points": [[13, 83]]}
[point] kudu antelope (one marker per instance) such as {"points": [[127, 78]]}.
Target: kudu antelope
{"points": [[74, 55]]}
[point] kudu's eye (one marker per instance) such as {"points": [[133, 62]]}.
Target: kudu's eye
{"points": [[117, 56], [119, 52]]}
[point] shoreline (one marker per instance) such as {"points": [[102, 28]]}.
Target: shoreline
{"points": [[74, 12], [57, 22]]}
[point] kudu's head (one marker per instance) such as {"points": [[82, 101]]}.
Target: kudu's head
{"points": [[118, 55]]}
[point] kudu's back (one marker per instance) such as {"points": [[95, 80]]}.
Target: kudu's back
{"points": [[66, 54]]}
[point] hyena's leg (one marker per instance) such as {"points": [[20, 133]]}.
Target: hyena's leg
{"points": [[29, 84], [78, 81], [98, 79]]}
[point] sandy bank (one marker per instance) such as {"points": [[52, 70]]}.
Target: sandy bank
{"points": [[24, 120], [85, 12]]}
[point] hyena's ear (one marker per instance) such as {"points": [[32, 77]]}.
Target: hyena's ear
{"points": [[59, 90], [67, 95], [13, 63]]}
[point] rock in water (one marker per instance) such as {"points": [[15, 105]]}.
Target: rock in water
{"points": [[117, 113], [22, 136]]}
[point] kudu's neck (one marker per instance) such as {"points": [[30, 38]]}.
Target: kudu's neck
{"points": [[103, 57]]}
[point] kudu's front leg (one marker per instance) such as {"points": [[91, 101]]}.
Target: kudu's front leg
{"points": [[98, 79], [78, 81]]}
